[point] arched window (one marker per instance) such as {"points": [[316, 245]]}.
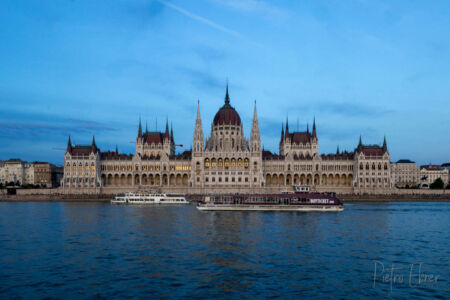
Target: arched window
{"points": [[367, 166], [213, 163], [361, 166], [220, 163], [373, 166], [227, 163], [246, 163], [206, 163], [379, 166], [385, 166], [240, 162], [233, 162]]}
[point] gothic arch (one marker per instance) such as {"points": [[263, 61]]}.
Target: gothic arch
{"points": [[316, 179], [289, 179], [296, 179], [324, 179], [268, 181], [281, 179]]}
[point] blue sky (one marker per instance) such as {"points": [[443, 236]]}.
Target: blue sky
{"points": [[89, 67]]}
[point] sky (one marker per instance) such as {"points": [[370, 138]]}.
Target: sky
{"points": [[85, 67]]}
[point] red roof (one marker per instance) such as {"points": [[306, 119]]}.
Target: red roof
{"points": [[372, 150], [112, 155], [300, 137], [82, 150], [267, 155], [227, 115], [153, 138]]}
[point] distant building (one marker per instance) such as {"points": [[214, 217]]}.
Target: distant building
{"points": [[14, 170], [47, 175], [405, 173], [429, 173], [228, 162]]}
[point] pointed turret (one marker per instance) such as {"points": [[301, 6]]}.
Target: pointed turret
{"points": [[146, 127], [282, 132], [307, 127], [69, 145], [360, 141], [140, 128], [93, 145], [117, 150], [198, 141], [314, 133], [166, 133], [384, 144], [287, 127], [227, 96], [171, 132], [255, 138], [337, 150]]}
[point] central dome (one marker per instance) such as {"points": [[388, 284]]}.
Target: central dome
{"points": [[227, 115]]}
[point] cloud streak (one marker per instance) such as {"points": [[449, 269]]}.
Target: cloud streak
{"points": [[207, 22]]}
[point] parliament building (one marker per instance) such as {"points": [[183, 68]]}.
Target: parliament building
{"points": [[227, 162]]}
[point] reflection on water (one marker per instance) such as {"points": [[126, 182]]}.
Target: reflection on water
{"points": [[102, 250]]}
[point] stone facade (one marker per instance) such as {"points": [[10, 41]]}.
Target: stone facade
{"points": [[405, 173], [16, 170], [229, 162], [429, 173]]}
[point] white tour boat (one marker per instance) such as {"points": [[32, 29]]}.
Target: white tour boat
{"points": [[143, 198]]}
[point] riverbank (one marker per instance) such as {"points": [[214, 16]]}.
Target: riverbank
{"points": [[107, 198]]}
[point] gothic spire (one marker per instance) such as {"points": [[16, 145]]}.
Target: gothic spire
{"points": [[287, 127], [337, 150], [140, 128], [384, 144], [314, 133], [255, 138], [117, 150], [146, 127], [171, 131], [227, 96], [307, 127], [282, 131], [69, 145], [93, 146], [198, 141], [360, 141], [166, 133]]}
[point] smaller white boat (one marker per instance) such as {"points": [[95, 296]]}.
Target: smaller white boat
{"points": [[143, 198]]}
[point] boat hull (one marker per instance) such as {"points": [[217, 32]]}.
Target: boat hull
{"points": [[248, 207]]}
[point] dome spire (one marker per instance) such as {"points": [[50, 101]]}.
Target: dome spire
{"points": [[227, 96]]}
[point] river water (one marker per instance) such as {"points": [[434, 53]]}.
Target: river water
{"points": [[98, 250]]}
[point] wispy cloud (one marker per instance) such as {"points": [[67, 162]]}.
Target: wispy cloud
{"points": [[44, 128], [347, 109], [253, 6], [207, 22]]}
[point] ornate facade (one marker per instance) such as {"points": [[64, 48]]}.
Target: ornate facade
{"points": [[229, 162]]}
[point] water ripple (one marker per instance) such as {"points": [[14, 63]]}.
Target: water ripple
{"points": [[97, 250]]}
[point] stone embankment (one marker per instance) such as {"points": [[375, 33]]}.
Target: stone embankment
{"points": [[106, 196]]}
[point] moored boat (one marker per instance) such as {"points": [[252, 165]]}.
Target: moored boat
{"points": [[298, 201], [143, 198]]}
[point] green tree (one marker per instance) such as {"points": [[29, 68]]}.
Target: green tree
{"points": [[437, 184]]}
